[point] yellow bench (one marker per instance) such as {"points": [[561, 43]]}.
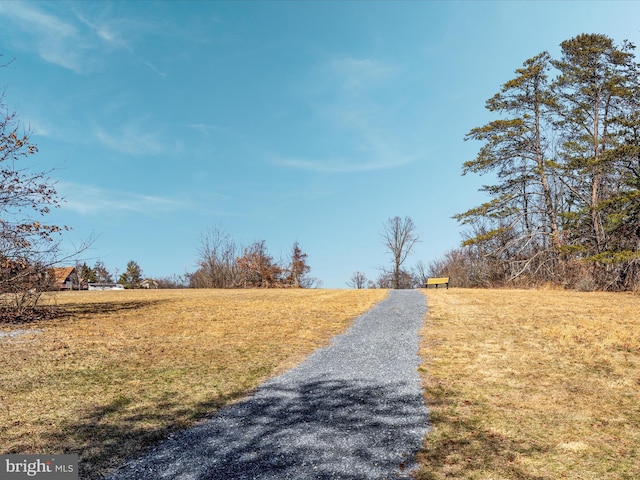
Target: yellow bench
{"points": [[437, 281]]}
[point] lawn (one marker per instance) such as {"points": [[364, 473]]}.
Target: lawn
{"points": [[531, 384], [521, 384], [118, 371]]}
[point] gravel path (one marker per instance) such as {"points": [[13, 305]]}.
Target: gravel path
{"points": [[351, 411]]}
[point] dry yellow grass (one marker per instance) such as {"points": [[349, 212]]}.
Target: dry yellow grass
{"points": [[123, 369], [532, 384]]}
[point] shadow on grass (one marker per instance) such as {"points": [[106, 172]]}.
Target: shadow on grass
{"points": [[109, 434], [461, 446], [339, 429], [11, 316], [103, 308]]}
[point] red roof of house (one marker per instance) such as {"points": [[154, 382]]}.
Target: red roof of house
{"points": [[61, 275]]}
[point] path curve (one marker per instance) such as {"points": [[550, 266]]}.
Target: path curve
{"points": [[350, 411]]}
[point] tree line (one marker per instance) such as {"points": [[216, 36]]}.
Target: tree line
{"points": [[563, 156], [132, 277], [224, 263]]}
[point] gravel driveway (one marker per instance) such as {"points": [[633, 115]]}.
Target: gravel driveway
{"points": [[351, 411]]}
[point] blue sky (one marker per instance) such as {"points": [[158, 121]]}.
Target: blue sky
{"points": [[278, 121]]}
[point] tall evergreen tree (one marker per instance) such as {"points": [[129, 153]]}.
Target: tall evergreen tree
{"points": [[298, 267], [566, 155], [132, 276], [86, 273], [522, 211], [595, 82]]}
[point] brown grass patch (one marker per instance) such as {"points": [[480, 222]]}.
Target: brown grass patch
{"points": [[121, 370], [532, 384]]}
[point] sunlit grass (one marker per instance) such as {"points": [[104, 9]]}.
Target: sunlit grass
{"points": [[123, 369], [532, 384]]}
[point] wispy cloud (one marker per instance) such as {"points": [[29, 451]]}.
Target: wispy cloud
{"points": [[349, 98], [341, 165], [131, 139], [370, 148], [207, 129], [354, 74], [57, 41], [73, 42], [88, 200], [41, 127], [108, 35]]}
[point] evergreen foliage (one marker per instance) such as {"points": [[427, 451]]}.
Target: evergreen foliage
{"points": [[132, 277], [565, 155]]}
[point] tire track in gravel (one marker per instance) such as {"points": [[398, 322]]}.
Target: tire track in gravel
{"points": [[351, 411]]}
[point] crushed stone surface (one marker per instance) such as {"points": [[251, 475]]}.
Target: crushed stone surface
{"points": [[351, 411]]}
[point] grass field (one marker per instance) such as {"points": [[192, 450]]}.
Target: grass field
{"points": [[521, 384], [531, 384], [121, 370]]}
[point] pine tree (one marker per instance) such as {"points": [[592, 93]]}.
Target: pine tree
{"points": [[566, 155], [132, 277], [520, 222], [595, 83], [298, 267]]}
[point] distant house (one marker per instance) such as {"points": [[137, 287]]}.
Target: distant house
{"points": [[63, 278], [149, 283]]}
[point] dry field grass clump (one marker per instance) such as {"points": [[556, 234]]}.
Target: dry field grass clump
{"points": [[532, 384], [120, 370]]}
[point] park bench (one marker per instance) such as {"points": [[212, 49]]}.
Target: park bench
{"points": [[437, 281]]}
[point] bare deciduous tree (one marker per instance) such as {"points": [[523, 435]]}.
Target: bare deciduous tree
{"points": [[218, 268], [102, 275], [358, 280], [419, 273], [28, 246], [399, 237]]}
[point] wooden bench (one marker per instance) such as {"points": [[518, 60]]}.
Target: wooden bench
{"points": [[437, 281]]}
